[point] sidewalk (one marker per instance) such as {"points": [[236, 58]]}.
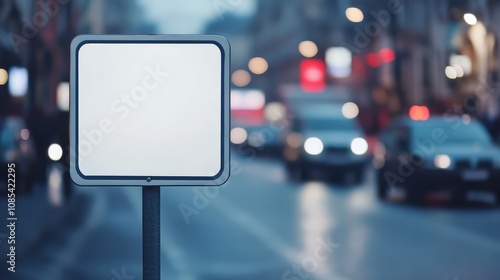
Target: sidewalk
{"points": [[36, 217]]}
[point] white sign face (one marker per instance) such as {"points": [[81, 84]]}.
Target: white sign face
{"points": [[149, 110]]}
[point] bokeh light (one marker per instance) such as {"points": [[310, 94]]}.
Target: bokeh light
{"points": [[359, 146], [419, 113], [55, 152], [339, 62], [274, 111], [354, 14], [4, 76], [313, 146], [459, 70], [308, 49], [470, 19], [241, 78], [442, 161], [450, 72], [462, 60], [25, 134], [18, 81], [238, 135], [63, 96], [258, 65], [350, 110]]}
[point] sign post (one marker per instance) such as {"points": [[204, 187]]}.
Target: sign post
{"points": [[151, 232], [149, 111]]}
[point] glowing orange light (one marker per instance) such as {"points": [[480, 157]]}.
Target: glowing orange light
{"points": [[419, 113]]}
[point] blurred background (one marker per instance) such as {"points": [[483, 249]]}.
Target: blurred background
{"points": [[364, 143]]}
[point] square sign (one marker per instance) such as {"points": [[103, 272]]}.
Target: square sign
{"points": [[149, 110]]}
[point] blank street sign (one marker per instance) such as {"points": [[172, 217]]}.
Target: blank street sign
{"points": [[149, 110]]}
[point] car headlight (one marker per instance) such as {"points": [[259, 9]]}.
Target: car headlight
{"points": [[313, 146], [55, 152], [359, 146], [442, 161]]}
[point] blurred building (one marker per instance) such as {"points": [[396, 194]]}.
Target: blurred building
{"points": [[36, 35], [458, 33], [421, 39], [35, 49], [235, 29], [10, 22]]}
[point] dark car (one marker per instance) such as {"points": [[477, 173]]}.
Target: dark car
{"points": [[320, 137], [16, 146], [451, 154]]}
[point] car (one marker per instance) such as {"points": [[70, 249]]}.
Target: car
{"points": [[442, 153], [17, 147], [320, 137]]}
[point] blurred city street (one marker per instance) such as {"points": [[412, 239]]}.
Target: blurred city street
{"points": [[240, 234], [364, 138]]}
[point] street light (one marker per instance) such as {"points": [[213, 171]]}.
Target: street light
{"points": [[354, 14], [308, 49], [470, 19]]}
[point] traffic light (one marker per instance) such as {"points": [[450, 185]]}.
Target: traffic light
{"points": [[312, 75]]}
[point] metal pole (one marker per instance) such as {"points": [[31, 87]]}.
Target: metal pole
{"points": [[151, 233]]}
